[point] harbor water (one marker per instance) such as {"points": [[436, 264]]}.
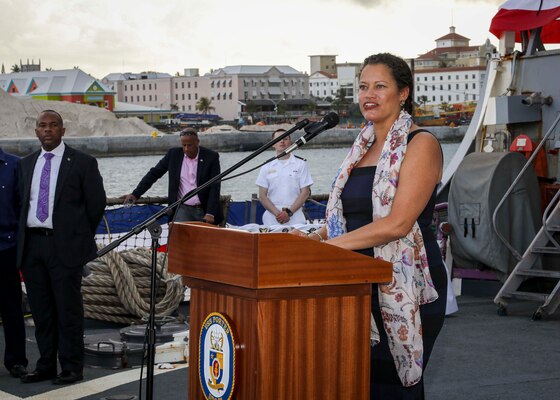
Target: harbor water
{"points": [[122, 174]]}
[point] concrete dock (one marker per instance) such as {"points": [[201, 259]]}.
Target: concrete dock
{"points": [[109, 146]]}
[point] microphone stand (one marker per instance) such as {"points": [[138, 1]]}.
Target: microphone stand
{"points": [[154, 228]]}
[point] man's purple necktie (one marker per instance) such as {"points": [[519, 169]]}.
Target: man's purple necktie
{"points": [[43, 199]]}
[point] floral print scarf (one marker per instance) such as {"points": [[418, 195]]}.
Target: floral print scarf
{"points": [[412, 284]]}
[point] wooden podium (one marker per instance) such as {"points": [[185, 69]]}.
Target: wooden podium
{"points": [[300, 310]]}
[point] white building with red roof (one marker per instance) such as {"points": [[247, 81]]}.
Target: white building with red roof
{"points": [[323, 84], [452, 72]]}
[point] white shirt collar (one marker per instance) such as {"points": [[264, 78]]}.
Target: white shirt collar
{"points": [[286, 161], [58, 151]]}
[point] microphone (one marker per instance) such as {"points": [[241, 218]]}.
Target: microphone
{"points": [[299, 125], [329, 121]]}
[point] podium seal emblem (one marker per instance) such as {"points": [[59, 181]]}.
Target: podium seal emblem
{"points": [[216, 355]]}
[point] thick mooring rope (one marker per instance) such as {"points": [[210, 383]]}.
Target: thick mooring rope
{"points": [[119, 288]]}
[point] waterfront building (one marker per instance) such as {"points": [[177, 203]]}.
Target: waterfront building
{"points": [[333, 77], [71, 85], [452, 72], [268, 88], [348, 76], [449, 85], [328, 77], [187, 90], [229, 89], [323, 85], [146, 88], [151, 115], [159, 90], [325, 63], [29, 67]]}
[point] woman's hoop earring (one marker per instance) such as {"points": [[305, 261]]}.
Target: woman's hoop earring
{"points": [[402, 103]]}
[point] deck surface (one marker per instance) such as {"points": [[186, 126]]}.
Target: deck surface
{"points": [[479, 355]]}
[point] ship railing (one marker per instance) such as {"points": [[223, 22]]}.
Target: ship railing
{"points": [[553, 204], [120, 218]]}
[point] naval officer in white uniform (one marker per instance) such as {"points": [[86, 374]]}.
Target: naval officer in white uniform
{"points": [[284, 185]]}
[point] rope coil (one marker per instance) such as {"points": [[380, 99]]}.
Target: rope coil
{"points": [[119, 288]]}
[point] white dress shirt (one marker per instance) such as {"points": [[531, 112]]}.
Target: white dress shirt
{"points": [[32, 220]]}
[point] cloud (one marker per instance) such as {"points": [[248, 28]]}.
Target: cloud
{"points": [[370, 3], [131, 36], [13, 24]]}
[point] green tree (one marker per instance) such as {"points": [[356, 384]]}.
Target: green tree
{"points": [[423, 100], [174, 107], [281, 107], [204, 105], [311, 107], [15, 68], [251, 107], [340, 104], [445, 106], [354, 111]]}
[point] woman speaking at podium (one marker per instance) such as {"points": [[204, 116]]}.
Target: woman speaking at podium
{"points": [[381, 205]]}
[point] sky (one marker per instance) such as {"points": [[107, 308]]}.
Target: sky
{"points": [[106, 36]]}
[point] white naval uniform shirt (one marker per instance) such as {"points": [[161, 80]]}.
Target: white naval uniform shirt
{"points": [[284, 180]]}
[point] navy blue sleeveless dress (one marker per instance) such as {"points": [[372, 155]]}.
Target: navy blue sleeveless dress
{"points": [[357, 209]]}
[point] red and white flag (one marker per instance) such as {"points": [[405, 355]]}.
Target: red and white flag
{"points": [[523, 15]]}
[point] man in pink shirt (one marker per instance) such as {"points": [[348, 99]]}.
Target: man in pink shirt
{"points": [[189, 166]]}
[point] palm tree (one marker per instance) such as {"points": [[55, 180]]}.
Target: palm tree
{"points": [[204, 105], [15, 68], [423, 100]]}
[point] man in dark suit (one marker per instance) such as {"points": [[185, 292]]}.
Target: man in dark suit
{"points": [[188, 167], [63, 201]]}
